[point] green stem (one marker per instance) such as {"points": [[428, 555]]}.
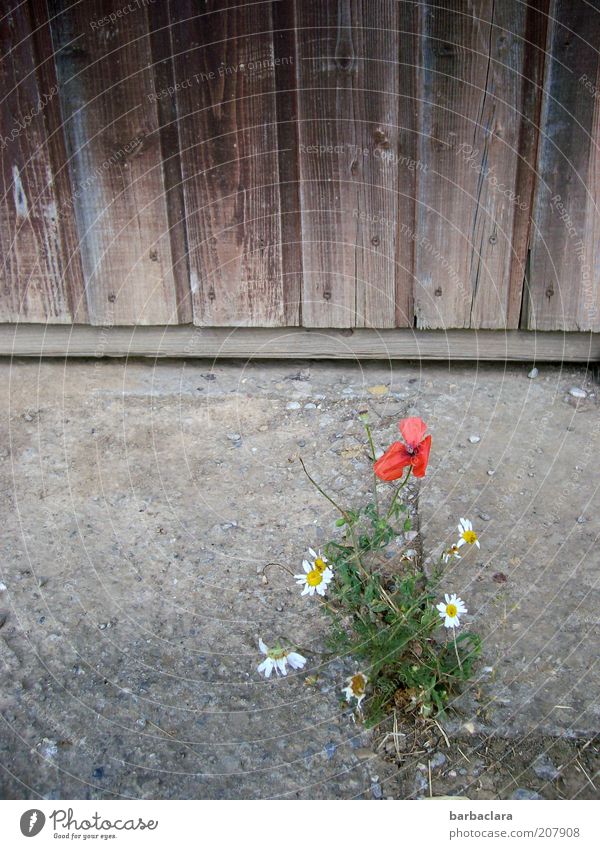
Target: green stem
{"points": [[402, 485], [323, 493], [373, 457], [456, 649]]}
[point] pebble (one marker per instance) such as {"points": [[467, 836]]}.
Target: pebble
{"points": [[310, 406], [533, 373], [209, 376], [581, 520], [545, 769], [3, 587], [48, 748], [293, 405], [377, 791], [234, 437], [474, 439], [439, 759], [576, 392], [330, 750], [491, 472], [98, 772], [525, 793], [485, 517]]}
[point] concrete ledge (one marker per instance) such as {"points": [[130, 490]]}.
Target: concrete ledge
{"points": [[37, 340]]}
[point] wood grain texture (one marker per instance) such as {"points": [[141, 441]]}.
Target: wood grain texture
{"points": [[225, 68], [40, 272], [356, 145], [114, 149], [564, 279], [295, 342], [474, 93]]}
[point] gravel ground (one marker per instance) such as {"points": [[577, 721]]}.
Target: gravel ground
{"points": [[141, 502]]}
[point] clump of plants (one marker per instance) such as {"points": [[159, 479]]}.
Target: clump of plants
{"points": [[399, 626]]}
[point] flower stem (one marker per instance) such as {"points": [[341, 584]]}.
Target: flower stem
{"points": [[373, 457], [323, 493], [402, 485], [456, 649]]}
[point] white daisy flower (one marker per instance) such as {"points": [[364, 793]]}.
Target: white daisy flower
{"points": [[355, 688], [314, 579], [452, 610], [467, 534], [319, 561], [451, 552], [278, 659]]}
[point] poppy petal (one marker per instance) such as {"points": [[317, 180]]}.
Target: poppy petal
{"points": [[390, 465], [421, 458], [413, 430]]}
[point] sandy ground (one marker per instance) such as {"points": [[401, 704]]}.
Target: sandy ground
{"points": [[140, 503]]}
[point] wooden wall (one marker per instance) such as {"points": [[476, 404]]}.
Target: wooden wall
{"points": [[314, 163]]}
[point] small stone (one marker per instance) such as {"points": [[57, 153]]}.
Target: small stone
{"points": [[28, 417], [545, 769], [474, 439], [581, 520], [3, 587], [525, 793], [48, 748], [439, 759], [533, 373], [576, 392], [209, 376], [485, 517], [376, 791], [293, 405], [491, 472], [104, 625], [329, 750], [499, 578], [98, 772], [310, 406], [234, 437], [227, 526], [364, 753]]}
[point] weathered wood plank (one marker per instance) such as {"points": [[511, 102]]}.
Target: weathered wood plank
{"points": [[225, 69], [40, 271], [357, 163], [111, 127], [272, 343], [474, 94], [564, 280]]}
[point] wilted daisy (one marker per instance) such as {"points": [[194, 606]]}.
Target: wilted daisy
{"points": [[451, 610], [451, 552], [278, 659], [319, 561], [355, 688], [314, 578], [467, 534]]}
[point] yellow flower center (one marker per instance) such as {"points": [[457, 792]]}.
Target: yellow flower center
{"points": [[470, 537], [357, 683], [320, 564], [277, 654], [314, 578], [451, 610]]}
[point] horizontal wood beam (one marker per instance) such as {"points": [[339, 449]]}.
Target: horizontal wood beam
{"points": [[35, 340]]}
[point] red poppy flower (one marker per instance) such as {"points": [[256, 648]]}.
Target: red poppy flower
{"points": [[415, 453]]}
